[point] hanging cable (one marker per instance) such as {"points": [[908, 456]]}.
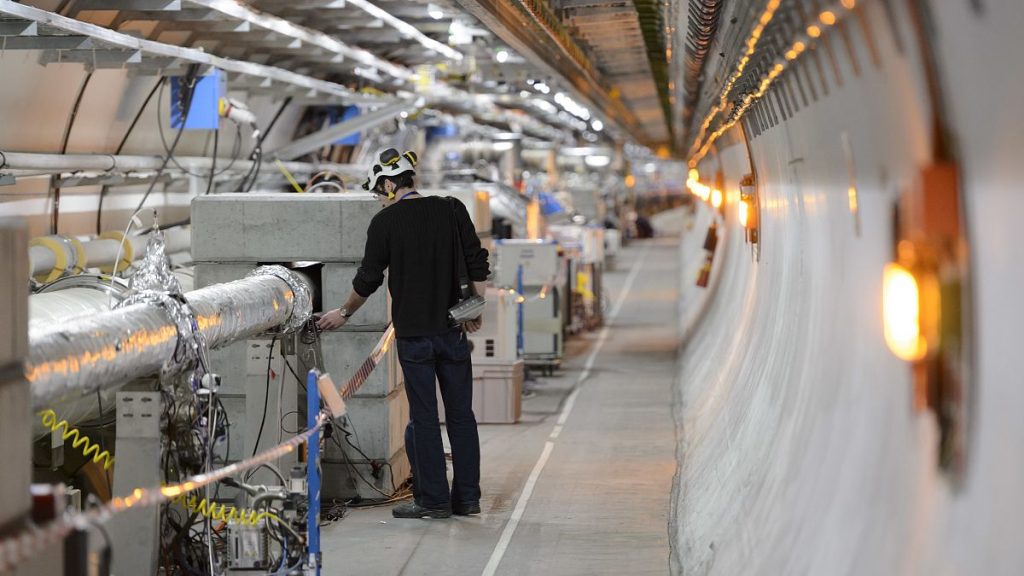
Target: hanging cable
{"points": [[213, 158], [120, 148], [266, 396], [188, 83], [54, 186]]}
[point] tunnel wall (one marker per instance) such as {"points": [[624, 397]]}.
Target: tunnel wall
{"points": [[800, 449]]}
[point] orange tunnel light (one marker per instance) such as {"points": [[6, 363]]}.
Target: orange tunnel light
{"points": [[744, 211], [901, 310], [716, 198]]}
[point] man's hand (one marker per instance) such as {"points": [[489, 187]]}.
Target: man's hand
{"points": [[474, 325], [332, 320]]}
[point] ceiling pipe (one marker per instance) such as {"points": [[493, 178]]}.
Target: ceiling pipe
{"points": [[364, 121], [45, 163], [49, 260]]}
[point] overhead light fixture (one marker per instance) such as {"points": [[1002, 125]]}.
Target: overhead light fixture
{"points": [[544, 105], [597, 125], [597, 161], [716, 198], [503, 146], [501, 56], [435, 12], [459, 34]]}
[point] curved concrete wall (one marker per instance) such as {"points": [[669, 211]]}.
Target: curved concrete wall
{"points": [[800, 449]]}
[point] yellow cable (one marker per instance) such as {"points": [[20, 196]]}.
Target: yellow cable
{"points": [[222, 512], [51, 421], [288, 175]]}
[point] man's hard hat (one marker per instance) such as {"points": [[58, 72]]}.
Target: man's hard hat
{"points": [[390, 163]]}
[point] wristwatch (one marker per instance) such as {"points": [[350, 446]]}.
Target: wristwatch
{"points": [[344, 312]]}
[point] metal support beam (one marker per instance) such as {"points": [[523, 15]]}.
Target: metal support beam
{"points": [[113, 39], [94, 59], [140, 5], [532, 40], [318, 140], [18, 28]]}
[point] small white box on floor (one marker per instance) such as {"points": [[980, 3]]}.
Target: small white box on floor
{"points": [[497, 392]]}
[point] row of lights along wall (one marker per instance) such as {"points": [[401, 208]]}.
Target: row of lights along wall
{"points": [[926, 311], [747, 212]]}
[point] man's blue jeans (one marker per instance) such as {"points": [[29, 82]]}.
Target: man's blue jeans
{"points": [[443, 359]]}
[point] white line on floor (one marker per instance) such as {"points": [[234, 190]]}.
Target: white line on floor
{"points": [[570, 402]]}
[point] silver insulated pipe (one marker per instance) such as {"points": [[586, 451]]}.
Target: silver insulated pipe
{"points": [[109, 349]]}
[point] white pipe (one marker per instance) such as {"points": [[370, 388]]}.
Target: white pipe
{"points": [[41, 259], [51, 309], [54, 163], [100, 253]]}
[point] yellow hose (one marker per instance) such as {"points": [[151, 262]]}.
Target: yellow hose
{"points": [[54, 423], [222, 512]]}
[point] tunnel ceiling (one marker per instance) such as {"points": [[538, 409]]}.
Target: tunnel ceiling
{"points": [[614, 52], [614, 56]]}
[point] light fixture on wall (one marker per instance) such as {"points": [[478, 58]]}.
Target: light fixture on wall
{"points": [[749, 210], [901, 309], [924, 305]]}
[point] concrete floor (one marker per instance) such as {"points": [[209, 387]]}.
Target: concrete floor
{"points": [[595, 465]]}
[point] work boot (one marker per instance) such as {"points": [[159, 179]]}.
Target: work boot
{"points": [[411, 509], [466, 508]]}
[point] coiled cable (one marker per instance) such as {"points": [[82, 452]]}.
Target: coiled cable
{"points": [[89, 449], [222, 512]]}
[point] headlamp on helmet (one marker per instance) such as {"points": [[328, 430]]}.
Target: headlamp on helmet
{"points": [[389, 163]]}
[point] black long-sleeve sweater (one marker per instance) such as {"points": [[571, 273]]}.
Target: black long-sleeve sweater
{"points": [[413, 240]]}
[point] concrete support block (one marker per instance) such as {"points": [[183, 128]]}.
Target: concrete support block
{"points": [[244, 387], [281, 227], [342, 483], [16, 443], [15, 399], [378, 429], [344, 353], [13, 292], [336, 285], [209, 273], [379, 424]]}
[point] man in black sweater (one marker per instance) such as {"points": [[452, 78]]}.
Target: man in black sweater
{"points": [[413, 238]]}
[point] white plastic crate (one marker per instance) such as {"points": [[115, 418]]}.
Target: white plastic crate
{"points": [[497, 392]]}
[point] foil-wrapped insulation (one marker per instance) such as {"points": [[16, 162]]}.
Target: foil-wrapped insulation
{"points": [[154, 283], [54, 308], [106, 350], [303, 305], [65, 300], [154, 272]]}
